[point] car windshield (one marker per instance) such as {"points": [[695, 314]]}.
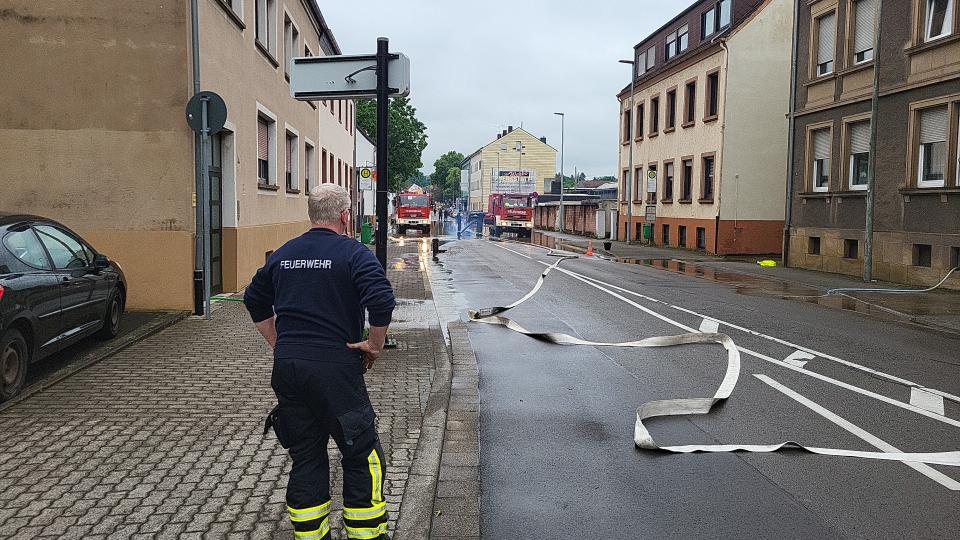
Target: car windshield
{"points": [[514, 202], [414, 200]]}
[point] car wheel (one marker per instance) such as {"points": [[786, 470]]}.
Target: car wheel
{"points": [[14, 359], [111, 320]]}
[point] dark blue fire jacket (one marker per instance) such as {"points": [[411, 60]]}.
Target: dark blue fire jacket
{"points": [[319, 285]]}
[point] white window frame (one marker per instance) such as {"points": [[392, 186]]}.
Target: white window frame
{"points": [[269, 115], [236, 8], [850, 159], [947, 21], [921, 154], [873, 30], [921, 183], [816, 164], [289, 130], [833, 58], [671, 46], [711, 15], [855, 187], [292, 42], [309, 165], [269, 12]]}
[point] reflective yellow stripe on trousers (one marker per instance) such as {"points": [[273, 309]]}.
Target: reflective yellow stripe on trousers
{"points": [[318, 533], [374, 511], [376, 475], [308, 514], [366, 532]]}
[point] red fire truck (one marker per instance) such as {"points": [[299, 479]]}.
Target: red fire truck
{"points": [[413, 211], [510, 212]]}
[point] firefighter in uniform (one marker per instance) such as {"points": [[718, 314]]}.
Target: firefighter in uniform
{"points": [[309, 302]]}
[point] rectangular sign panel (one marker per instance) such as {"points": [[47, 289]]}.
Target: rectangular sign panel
{"points": [[651, 214], [346, 77], [514, 181]]}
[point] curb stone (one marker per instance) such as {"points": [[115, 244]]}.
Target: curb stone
{"points": [[445, 475]]}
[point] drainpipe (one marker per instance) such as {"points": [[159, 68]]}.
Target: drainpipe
{"points": [[791, 140], [198, 172], [718, 167]]}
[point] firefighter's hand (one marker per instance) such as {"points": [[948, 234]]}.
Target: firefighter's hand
{"points": [[369, 351]]}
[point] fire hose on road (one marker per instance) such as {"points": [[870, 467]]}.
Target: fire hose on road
{"points": [[697, 405]]}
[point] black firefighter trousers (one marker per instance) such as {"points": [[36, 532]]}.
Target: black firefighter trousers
{"points": [[319, 399]]}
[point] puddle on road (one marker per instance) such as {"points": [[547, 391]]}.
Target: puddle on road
{"points": [[894, 306]]}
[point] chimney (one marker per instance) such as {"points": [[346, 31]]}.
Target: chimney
{"points": [[503, 133], [509, 129], [543, 140]]}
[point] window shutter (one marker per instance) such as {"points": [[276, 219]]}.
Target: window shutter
{"points": [[263, 142], [827, 37], [860, 138], [821, 144], [933, 125], [866, 20]]}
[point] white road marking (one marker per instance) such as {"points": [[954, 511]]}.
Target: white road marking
{"points": [[799, 358], [814, 352], [513, 251], [866, 436], [926, 400], [709, 326], [815, 375]]}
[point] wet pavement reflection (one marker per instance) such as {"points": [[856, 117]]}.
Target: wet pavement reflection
{"points": [[877, 304]]}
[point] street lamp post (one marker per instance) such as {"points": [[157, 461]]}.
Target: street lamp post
{"points": [[629, 182], [560, 221]]}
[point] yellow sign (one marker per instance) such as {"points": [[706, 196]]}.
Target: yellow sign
{"points": [[366, 172]]}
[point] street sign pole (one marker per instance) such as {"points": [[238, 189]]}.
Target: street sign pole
{"points": [[383, 171], [205, 201]]}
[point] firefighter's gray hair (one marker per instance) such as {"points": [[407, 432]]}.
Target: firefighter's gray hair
{"points": [[326, 202]]}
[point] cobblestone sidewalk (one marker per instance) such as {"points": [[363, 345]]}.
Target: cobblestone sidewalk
{"points": [[163, 440]]}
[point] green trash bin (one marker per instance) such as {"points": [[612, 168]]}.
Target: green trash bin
{"points": [[648, 231], [366, 233]]}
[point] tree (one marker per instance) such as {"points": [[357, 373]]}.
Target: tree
{"points": [[441, 177], [406, 137], [452, 184]]}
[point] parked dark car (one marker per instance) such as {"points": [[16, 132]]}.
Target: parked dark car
{"points": [[55, 290]]}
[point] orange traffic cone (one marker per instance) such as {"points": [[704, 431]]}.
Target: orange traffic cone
{"points": [[589, 248]]}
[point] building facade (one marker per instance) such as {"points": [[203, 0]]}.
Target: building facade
{"points": [[707, 129], [515, 155], [917, 189], [95, 135]]}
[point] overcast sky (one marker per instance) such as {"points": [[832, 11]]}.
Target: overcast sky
{"points": [[477, 68]]}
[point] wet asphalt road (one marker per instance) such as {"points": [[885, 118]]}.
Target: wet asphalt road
{"points": [[557, 455]]}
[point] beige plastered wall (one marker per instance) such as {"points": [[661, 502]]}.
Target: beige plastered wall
{"points": [[695, 140], [537, 156], [753, 174], [93, 133], [257, 221]]}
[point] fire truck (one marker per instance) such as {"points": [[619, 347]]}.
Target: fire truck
{"points": [[510, 212], [413, 211]]}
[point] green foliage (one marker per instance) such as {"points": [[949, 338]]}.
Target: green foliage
{"points": [[451, 188], [446, 187], [406, 137]]}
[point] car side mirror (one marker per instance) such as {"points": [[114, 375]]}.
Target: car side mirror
{"points": [[100, 262]]}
